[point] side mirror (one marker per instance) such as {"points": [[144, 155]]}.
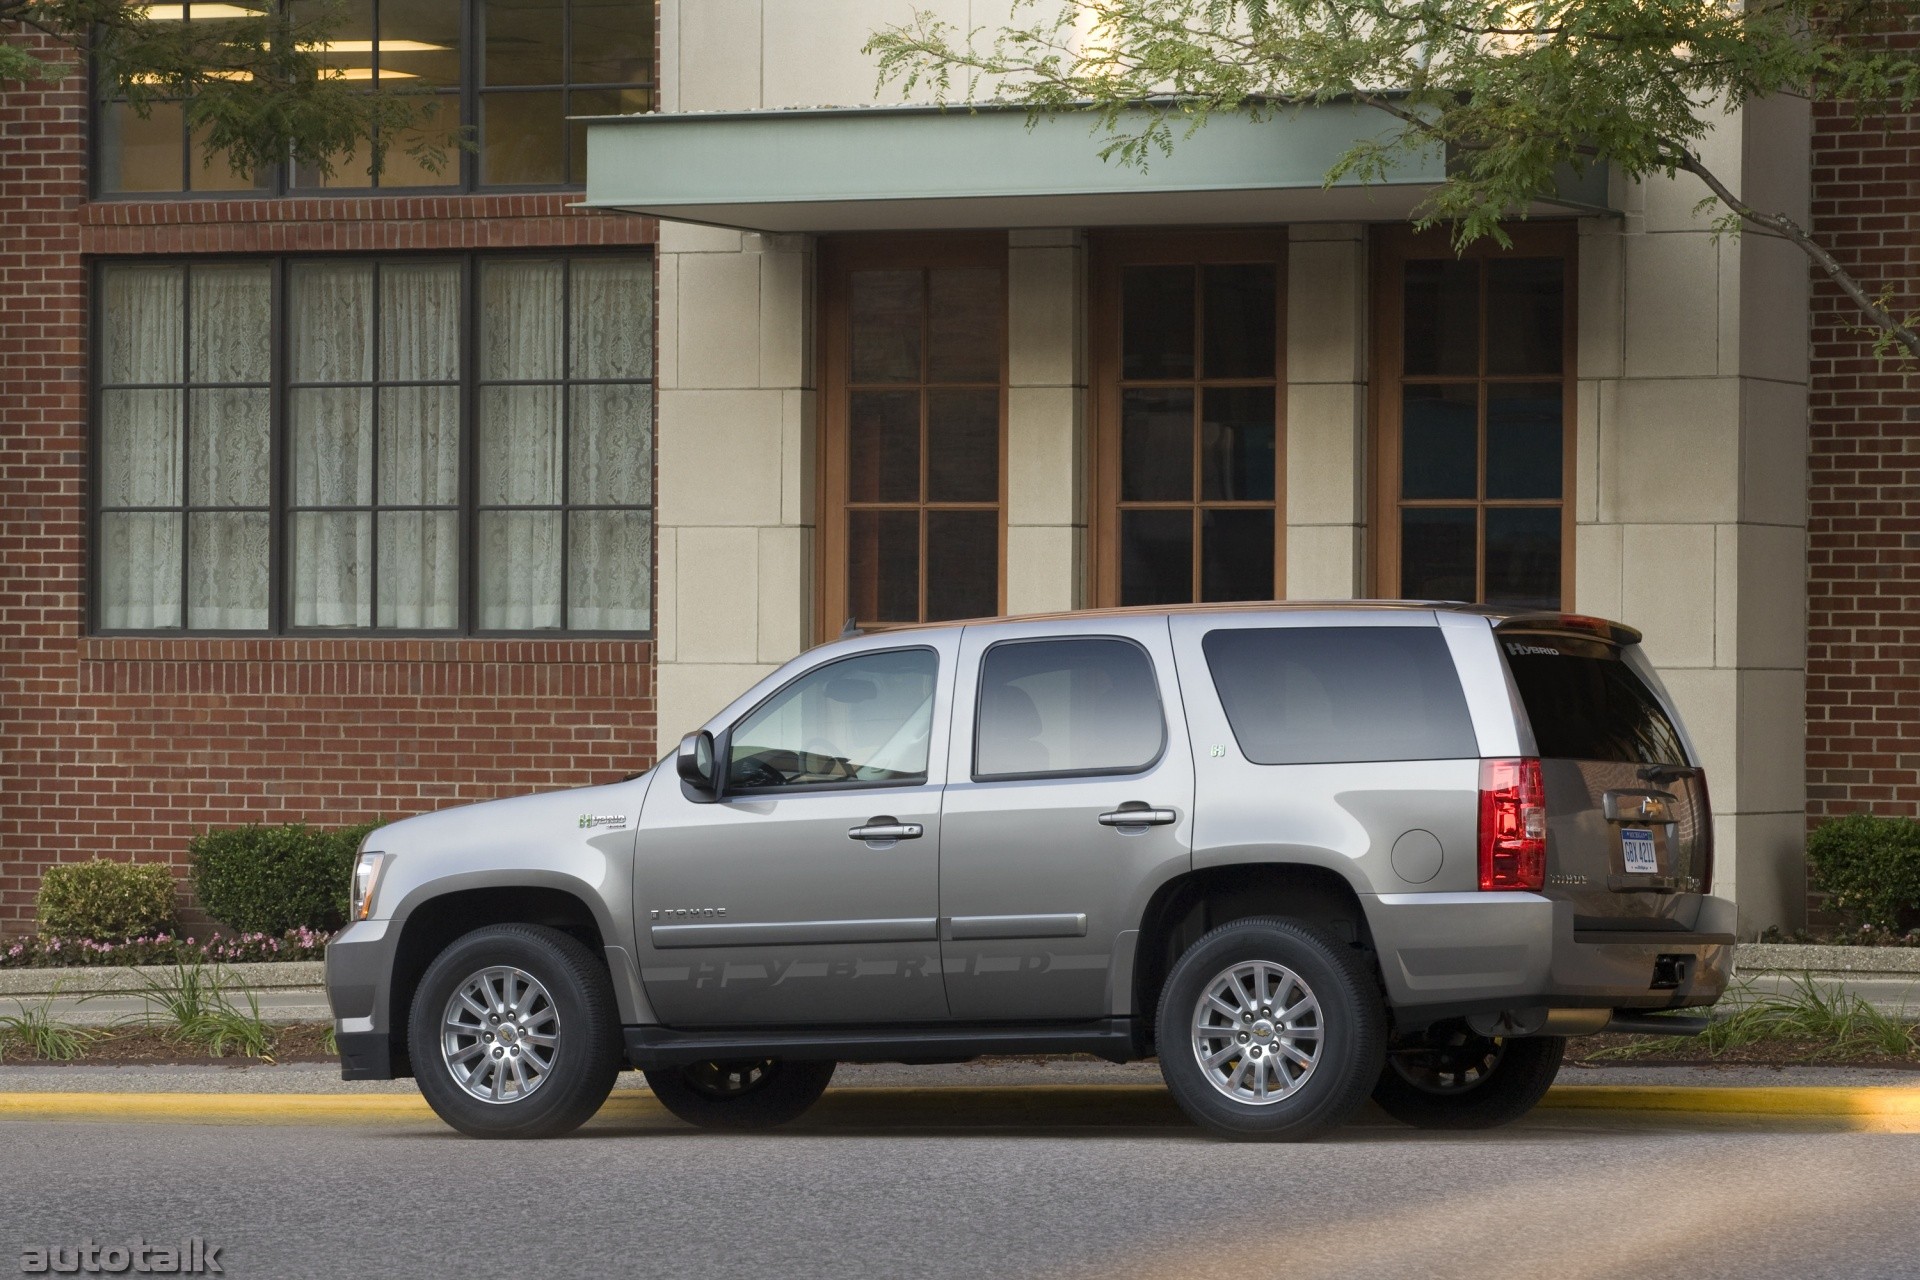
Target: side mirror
{"points": [[695, 763]]}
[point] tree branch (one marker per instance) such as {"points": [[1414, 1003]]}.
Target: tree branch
{"points": [[1902, 335]]}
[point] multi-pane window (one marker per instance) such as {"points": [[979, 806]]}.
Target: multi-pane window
{"points": [[915, 414], [436, 444], [1190, 410], [185, 428], [1475, 417], [512, 71]]}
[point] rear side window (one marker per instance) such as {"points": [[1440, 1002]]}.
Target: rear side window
{"points": [[1065, 707], [1586, 704], [1332, 695]]}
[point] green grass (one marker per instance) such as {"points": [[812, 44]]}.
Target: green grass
{"points": [[36, 1033], [194, 1009], [1839, 1024]]}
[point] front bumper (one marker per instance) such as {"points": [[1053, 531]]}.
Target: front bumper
{"points": [[1449, 954], [359, 968]]}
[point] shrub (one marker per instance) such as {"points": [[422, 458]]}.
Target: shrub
{"points": [[109, 901], [273, 879], [1869, 868]]}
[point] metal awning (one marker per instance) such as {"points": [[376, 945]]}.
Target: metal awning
{"points": [[924, 168]]}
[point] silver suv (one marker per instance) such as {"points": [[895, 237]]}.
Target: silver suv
{"points": [[1304, 853]]}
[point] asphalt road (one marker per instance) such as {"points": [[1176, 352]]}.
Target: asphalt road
{"points": [[929, 1183]]}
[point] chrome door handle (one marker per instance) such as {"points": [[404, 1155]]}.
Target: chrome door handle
{"points": [[1138, 818], [887, 829]]}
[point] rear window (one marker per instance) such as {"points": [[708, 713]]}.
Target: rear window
{"points": [[1054, 708], [1586, 704], [1333, 695]]}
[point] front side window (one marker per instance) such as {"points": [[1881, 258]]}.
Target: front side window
{"points": [[1332, 695], [1066, 707], [861, 720], [511, 71], [343, 444]]}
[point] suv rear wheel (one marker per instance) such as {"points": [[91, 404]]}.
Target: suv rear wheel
{"points": [[1456, 1079], [1269, 1031], [755, 1094], [514, 1033]]}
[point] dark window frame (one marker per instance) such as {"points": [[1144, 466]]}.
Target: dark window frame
{"points": [[838, 259], [1110, 253], [279, 569], [723, 745], [1124, 771], [465, 97], [1392, 249]]}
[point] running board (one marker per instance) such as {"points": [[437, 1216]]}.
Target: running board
{"points": [[1633, 1022], [1109, 1038]]}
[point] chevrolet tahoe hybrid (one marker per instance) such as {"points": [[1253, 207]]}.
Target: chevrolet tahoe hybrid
{"points": [[1304, 854]]}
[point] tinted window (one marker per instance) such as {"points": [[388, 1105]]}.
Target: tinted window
{"points": [[1066, 707], [861, 719], [1306, 695], [1586, 704]]}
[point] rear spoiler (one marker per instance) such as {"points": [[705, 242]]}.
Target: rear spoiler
{"points": [[1570, 624]]}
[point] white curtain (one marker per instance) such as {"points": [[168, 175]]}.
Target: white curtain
{"points": [[229, 444], [332, 551], [612, 329], [419, 430]]}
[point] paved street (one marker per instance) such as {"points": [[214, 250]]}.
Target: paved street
{"points": [[1080, 1180]]}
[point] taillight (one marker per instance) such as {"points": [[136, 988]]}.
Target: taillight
{"points": [[1704, 816], [1513, 825]]}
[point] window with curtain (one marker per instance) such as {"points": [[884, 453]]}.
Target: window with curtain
{"points": [[429, 445], [514, 72]]}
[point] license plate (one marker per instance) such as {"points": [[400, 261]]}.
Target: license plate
{"points": [[1636, 843]]}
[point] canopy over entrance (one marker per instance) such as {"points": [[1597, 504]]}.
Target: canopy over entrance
{"points": [[923, 168]]}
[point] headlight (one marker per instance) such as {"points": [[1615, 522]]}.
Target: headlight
{"points": [[366, 879]]}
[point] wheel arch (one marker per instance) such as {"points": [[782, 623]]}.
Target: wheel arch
{"points": [[1189, 905], [436, 919]]}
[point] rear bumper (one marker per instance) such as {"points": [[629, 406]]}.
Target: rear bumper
{"points": [[1446, 954]]}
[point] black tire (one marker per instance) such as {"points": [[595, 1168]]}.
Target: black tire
{"points": [[585, 1060], [756, 1094], [1351, 1024], [1456, 1079]]}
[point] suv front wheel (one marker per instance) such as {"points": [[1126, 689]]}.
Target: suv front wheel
{"points": [[514, 1033], [1269, 1031]]}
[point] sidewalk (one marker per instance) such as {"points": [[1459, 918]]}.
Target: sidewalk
{"points": [[294, 991]]}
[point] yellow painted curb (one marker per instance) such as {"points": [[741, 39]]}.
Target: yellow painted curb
{"points": [[1862, 1109], [1757, 1100]]}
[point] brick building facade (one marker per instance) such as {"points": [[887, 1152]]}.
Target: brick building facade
{"points": [[1863, 527], [149, 689], [127, 745]]}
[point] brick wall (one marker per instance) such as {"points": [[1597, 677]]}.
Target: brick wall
{"points": [[126, 747], [1863, 597]]}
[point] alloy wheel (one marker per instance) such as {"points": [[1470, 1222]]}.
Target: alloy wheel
{"points": [[1257, 1032], [499, 1034]]}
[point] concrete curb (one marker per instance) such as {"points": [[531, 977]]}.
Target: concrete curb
{"points": [[95, 979], [1790, 958], [1876, 1109]]}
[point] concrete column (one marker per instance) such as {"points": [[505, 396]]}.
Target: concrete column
{"points": [[1046, 420], [736, 500], [1326, 509], [1690, 506]]}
